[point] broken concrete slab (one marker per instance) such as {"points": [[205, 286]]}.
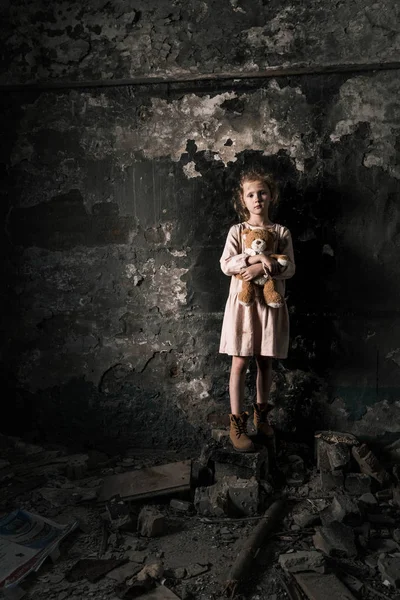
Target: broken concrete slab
{"points": [[369, 464], [303, 560], [151, 522], [336, 539], [343, 509], [323, 587], [230, 496], [254, 464], [389, 567], [357, 484], [148, 482], [331, 480]]}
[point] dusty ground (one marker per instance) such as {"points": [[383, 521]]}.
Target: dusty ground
{"points": [[195, 553]]}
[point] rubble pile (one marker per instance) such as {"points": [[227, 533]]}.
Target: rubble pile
{"points": [[220, 524]]}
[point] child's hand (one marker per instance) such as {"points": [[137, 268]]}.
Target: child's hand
{"points": [[252, 271], [270, 264]]}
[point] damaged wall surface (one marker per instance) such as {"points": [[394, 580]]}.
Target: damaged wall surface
{"points": [[117, 201]]}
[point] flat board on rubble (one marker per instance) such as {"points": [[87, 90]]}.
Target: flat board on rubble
{"points": [[323, 587], [147, 482]]}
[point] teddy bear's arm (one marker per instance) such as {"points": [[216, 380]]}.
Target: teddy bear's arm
{"points": [[285, 247]]}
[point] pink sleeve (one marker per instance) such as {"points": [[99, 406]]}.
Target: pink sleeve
{"points": [[232, 259], [285, 246]]}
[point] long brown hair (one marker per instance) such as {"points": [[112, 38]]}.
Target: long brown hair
{"points": [[253, 174]]}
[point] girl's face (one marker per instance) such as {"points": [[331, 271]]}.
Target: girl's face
{"points": [[256, 197]]}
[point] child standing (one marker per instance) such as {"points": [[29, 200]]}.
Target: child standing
{"points": [[256, 330]]}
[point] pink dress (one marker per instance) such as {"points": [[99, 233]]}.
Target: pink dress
{"points": [[256, 329]]}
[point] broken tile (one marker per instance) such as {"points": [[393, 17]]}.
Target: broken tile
{"points": [[336, 539], [303, 560]]}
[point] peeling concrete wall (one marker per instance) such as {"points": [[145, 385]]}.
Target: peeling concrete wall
{"points": [[111, 39], [116, 203]]}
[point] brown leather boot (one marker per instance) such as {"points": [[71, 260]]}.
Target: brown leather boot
{"points": [[240, 440], [260, 420]]}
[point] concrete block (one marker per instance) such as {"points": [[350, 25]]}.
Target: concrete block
{"points": [[244, 496], [336, 539], [303, 560], [332, 456], [357, 484], [331, 480], [343, 509], [389, 567], [254, 464], [151, 522]]}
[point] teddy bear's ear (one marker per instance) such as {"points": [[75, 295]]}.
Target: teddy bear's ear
{"points": [[245, 232]]}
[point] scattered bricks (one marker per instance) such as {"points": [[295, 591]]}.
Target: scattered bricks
{"points": [[118, 513], [220, 435], [77, 466], [369, 464], [303, 560], [357, 484], [306, 519], [243, 496], [181, 505], [254, 464], [336, 539], [342, 509], [367, 502], [331, 480], [150, 522], [389, 568]]}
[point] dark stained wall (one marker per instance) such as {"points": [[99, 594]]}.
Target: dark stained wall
{"points": [[116, 203]]}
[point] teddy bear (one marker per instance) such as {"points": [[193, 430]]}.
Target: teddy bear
{"points": [[258, 241]]}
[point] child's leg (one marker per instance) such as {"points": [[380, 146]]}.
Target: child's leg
{"points": [[237, 383], [264, 378]]}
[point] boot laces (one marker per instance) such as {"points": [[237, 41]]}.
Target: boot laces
{"points": [[240, 427]]}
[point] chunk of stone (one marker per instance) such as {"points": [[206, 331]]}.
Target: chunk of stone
{"points": [[196, 569], [119, 514], [357, 484], [332, 456], [181, 505], [137, 556], [396, 535], [343, 509], [396, 496], [220, 435], [252, 464], [243, 496], [306, 519], [384, 495], [389, 567], [380, 545], [331, 480], [151, 522], [367, 501], [369, 464], [336, 539], [304, 560], [77, 466], [212, 500]]}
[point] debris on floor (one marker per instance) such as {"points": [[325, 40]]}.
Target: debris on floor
{"points": [[299, 523]]}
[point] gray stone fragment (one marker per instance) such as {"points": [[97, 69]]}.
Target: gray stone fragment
{"points": [[389, 567], [357, 484], [380, 545], [195, 569], [253, 464], [181, 505], [342, 509], [368, 501], [331, 480], [230, 496], [336, 539], [306, 519], [212, 500], [396, 535], [151, 522], [304, 560], [244, 496]]}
